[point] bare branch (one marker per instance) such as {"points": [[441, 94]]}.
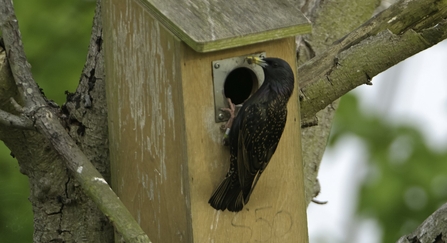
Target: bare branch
{"points": [[433, 229], [331, 20], [16, 105], [21, 122], [47, 123], [395, 34]]}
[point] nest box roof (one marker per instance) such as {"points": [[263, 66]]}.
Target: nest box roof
{"points": [[210, 25]]}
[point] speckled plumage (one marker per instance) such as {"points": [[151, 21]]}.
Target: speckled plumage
{"points": [[255, 134]]}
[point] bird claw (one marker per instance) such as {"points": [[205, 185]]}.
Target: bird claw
{"points": [[230, 110], [229, 123]]}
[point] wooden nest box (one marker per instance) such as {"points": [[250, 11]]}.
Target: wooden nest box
{"points": [[170, 66]]}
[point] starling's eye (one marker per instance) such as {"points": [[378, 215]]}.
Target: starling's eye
{"points": [[275, 64]]}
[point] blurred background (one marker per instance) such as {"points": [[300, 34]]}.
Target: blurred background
{"points": [[383, 173], [385, 170]]}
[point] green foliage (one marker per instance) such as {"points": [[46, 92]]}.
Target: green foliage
{"points": [[406, 180], [55, 36], [16, 218]]}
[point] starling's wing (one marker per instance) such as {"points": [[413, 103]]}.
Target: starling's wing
{"points": [[259, 135], [251, 137]]}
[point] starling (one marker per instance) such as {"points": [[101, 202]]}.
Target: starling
{"points": [[254, 134]]}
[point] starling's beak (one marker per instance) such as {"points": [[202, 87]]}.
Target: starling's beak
{"points": [[257, 60]]}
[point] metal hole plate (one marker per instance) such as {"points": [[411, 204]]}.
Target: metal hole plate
{"points": [[221, 69]]}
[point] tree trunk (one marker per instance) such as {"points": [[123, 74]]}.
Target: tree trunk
{"points": [[62, 211]]}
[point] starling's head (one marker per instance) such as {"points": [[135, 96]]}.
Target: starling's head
{"points": [[277, 72], [272, 66], [269, 63]]}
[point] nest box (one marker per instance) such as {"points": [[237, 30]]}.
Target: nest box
{"points": [[170, 65]]}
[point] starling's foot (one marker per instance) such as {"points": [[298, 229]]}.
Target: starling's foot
{"points": [[227, 126], [230, 110]]}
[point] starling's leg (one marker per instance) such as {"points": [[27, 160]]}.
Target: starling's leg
{"points": [[229, 123], [230, 110]]}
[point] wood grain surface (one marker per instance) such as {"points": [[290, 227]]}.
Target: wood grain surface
{"points": [[166, 148], [209, 25]]}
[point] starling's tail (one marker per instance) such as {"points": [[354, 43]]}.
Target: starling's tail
{"points": [[228, 196]]}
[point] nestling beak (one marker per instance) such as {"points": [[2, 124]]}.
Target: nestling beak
{"points": [[257, 60]]}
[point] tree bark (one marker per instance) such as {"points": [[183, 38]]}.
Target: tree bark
{"points": [[62, 211], [432, 230], [331, 20], [65, 196], [393, 35]]}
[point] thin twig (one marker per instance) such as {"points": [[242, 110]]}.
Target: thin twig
{"points": [[16, 105]]}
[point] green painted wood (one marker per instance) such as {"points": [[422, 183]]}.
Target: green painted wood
{"points": [[210, 25]]}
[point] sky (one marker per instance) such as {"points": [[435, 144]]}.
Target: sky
{"points": [[412, 92]]}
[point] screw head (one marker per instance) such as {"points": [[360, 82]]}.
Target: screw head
{"points": [[216, 65]]}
